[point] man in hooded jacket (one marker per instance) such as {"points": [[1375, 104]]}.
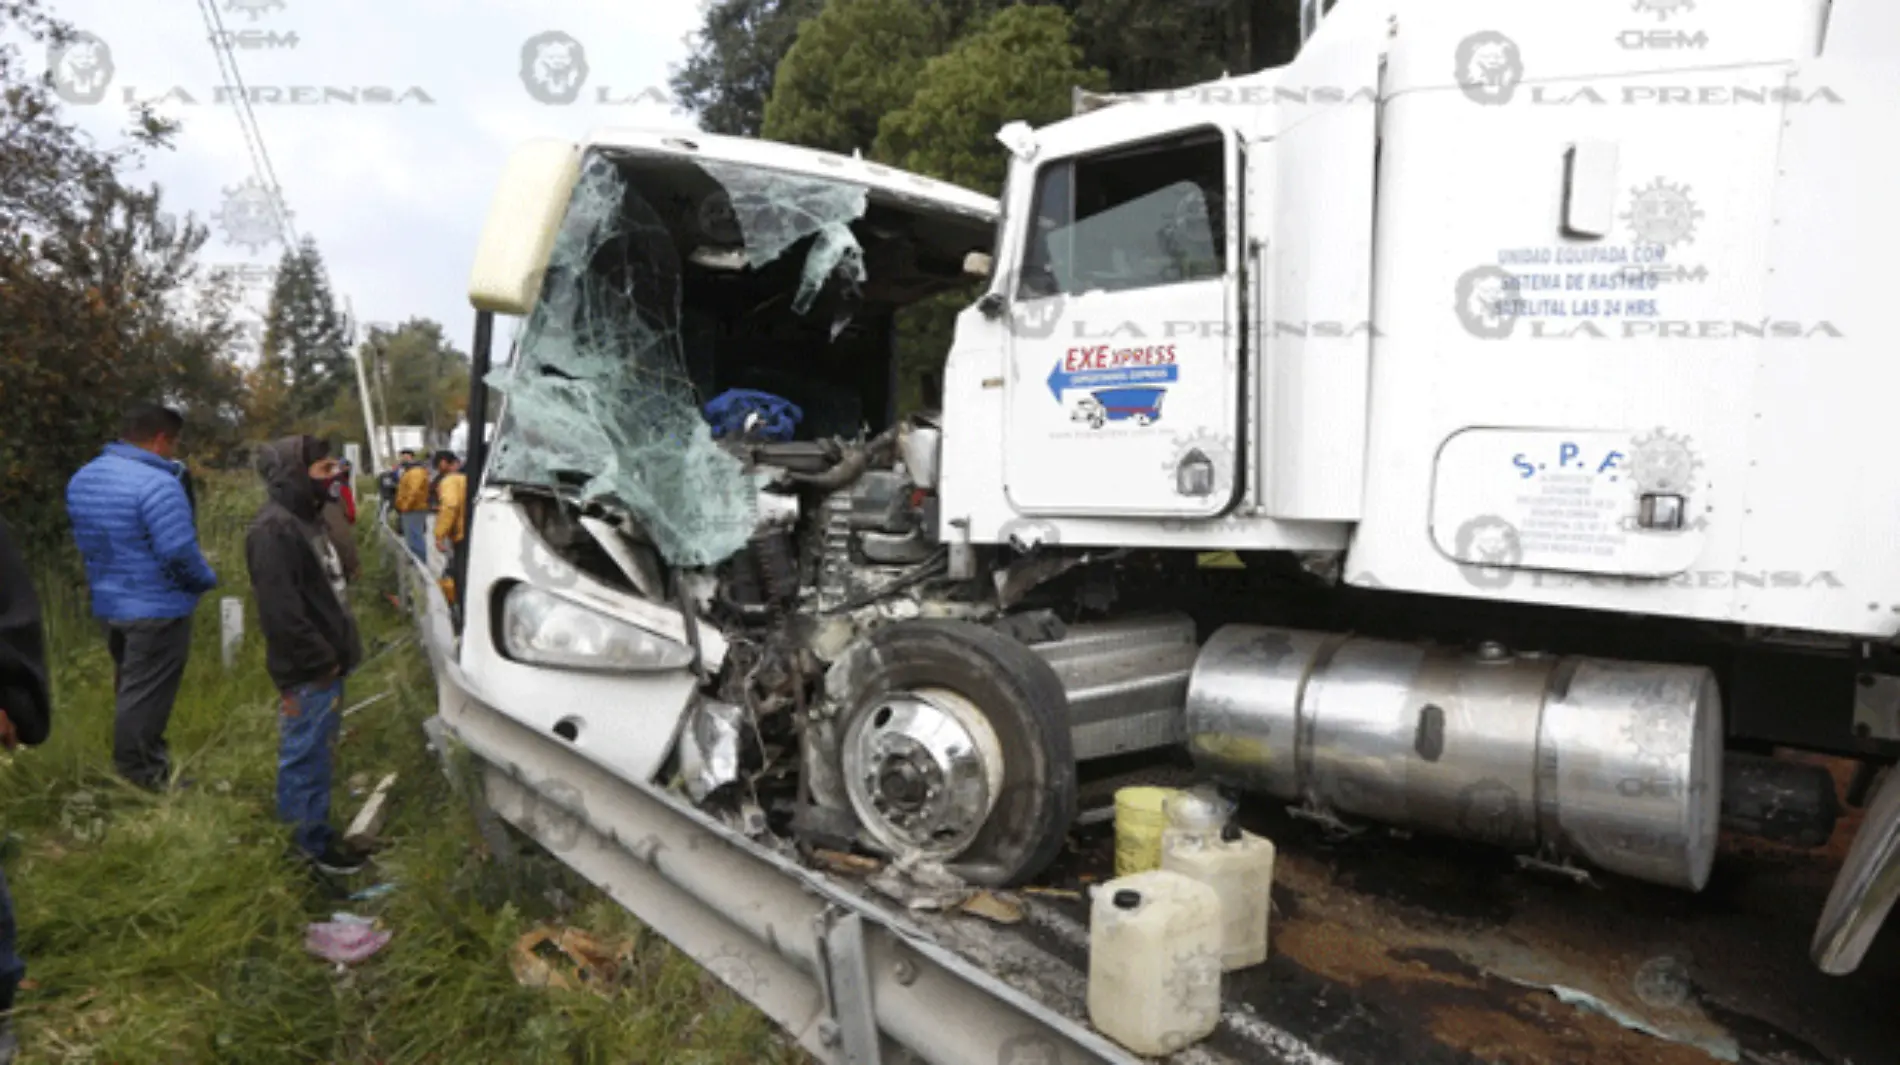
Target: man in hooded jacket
{"points": [[310, 639], [26, 716]]}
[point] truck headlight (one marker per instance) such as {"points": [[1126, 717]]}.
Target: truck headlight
{"points": [[547, 630]]}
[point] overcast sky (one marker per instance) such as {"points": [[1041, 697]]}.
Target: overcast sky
{"points": [[393, 193]]}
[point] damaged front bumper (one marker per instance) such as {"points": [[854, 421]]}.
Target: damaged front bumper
{"points": [[848, 979]]}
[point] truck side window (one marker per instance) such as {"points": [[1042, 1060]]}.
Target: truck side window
{"points": [[1131, 219]]}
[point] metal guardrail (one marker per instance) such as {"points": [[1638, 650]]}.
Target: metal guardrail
{"points": [[853, 982]]}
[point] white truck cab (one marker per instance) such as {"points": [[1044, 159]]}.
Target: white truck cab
{"points": [[1524, 360]]}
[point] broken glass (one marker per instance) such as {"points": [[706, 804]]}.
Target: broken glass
{"points": [[600, 392], [775, 211]]}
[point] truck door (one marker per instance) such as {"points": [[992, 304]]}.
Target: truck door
{"points": [[1124, 386]]}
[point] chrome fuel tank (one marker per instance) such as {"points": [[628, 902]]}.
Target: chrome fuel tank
{"points": [[1617, 763]]}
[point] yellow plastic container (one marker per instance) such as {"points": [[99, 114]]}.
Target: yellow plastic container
{"points": [[1140, 818]]}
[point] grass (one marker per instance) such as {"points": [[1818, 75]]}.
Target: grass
{"points": [[170, 928]]}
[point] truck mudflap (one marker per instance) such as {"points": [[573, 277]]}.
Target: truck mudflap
{"points": [[1866, 888]]}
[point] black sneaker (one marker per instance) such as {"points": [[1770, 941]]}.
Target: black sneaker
{"points": [[339, 860]]}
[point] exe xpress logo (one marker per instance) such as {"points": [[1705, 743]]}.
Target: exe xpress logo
{"points": [[1115, 384]]}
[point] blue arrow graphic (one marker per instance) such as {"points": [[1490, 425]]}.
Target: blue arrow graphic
{"points": [[1126, 375]]}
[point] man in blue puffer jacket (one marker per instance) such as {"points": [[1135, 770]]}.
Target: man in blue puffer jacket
{"points": [[134, 525]]}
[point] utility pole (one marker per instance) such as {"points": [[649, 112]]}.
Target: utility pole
{"points": [[362, 391], [435, 380], [381, 347]]}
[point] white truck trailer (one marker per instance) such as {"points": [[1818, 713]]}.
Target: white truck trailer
{"points": [[1458, 442]]}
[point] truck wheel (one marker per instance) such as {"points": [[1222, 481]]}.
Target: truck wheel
{"points": [[1096, 421], [956, 748]]}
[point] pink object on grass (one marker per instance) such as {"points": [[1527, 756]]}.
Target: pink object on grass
{"points": [[344, 941]]}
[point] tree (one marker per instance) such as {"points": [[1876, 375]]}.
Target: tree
{"points": [[854, 63], [729, 76], [304, 338], [427, 378], [97, 307], [1019, 66], [427, 375], [1148, 45]]}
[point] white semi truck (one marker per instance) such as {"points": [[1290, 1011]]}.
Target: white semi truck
{"points": [[1461, 443]]}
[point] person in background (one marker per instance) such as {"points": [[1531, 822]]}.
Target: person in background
{"points": [[26, 717], [134, 526], [451, 520], [386, 488], [310, 639], [412, 503], [346, 488], [339, 514]]}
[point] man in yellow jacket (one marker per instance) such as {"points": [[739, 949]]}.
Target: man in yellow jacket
{"points": [[451, 517], [412, 504]]}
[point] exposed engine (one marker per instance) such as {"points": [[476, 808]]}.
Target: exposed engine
{"points": [[840, 526], [872, 698]]}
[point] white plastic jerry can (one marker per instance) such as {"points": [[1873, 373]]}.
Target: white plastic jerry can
{"points": [[1239, 867], [1155, 961]]}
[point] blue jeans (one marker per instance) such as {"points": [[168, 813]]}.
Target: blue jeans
{"points": [[415, 533], [307, 724], [12, 967]]}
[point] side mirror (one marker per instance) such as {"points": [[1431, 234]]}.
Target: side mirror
{"points": [[978, 264], [991, 305]]}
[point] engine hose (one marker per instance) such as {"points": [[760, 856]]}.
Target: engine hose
{"points": [[856, 460], [936, 564]]}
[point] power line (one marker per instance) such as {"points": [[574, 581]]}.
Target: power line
{"points": [[247, 119]]}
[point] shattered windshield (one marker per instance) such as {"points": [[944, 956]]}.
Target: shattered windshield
{"points": [[599, 395]]}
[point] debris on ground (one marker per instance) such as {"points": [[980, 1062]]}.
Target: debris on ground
{"points": [[345, 938], [839, 862], [371, 701], [993, 907], [568, 959], [374, 891], [369, 820], [921, 885]]}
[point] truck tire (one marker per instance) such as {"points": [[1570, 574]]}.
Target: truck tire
{"points": [[1024, 703]]}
